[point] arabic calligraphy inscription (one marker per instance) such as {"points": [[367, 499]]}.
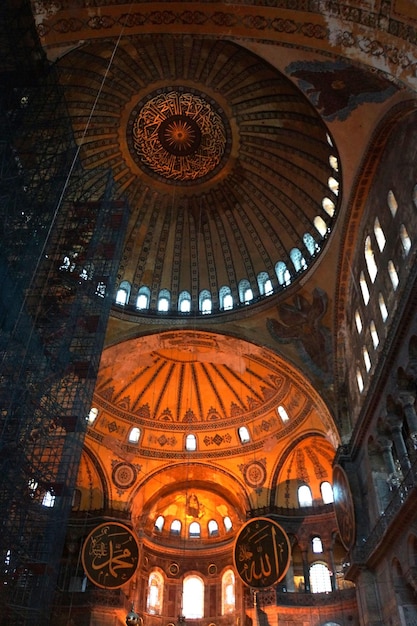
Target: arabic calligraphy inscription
{"points": [[179, 136], [343, 507], [261, 553], [110, 555]]}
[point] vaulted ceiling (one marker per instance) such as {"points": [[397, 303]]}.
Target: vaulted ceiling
{"points": [[225, 163], [229, 129], [175, 384]]}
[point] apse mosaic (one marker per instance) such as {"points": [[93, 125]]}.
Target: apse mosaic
{"points": [[191, 513]]}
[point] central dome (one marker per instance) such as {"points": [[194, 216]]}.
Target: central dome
{"points": [[179, 136], [231, 175]]}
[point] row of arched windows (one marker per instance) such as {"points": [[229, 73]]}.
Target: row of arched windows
{"points": [[374, 246], [305, 496], [194, 528], [193, 591], [226, 301], [285, 272], [190, 439]]}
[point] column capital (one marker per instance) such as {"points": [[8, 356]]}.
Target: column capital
{"points": [[406, 398], [390, 420], [385, 443]]}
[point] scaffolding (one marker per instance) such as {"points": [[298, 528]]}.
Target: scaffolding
{"points": [[62, 232]]}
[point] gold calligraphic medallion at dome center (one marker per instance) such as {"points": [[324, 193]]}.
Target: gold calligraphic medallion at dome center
{"points": [[179, 136], [110, 555], [262, 553]]}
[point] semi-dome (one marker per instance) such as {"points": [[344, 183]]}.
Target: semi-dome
{"points": [[195, 419], [185, 391]]}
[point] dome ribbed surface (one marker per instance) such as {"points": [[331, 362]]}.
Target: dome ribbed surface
{"points": [[246, 212]]}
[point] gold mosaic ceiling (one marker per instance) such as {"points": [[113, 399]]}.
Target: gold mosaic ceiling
{"points": [[175, 383], [167, 386], [224, 162]]}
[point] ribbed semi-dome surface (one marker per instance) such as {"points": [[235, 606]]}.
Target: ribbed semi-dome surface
{"points": [[231, 176], [176, 383], [309, 463]]}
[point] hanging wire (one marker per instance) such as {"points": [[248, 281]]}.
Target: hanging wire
{"points": [[57, 210], [76, 156]]}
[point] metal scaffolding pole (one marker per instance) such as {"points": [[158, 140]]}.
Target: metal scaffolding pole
{"points": [[61, 239]]}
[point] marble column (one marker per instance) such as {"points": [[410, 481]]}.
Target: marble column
{"points": [[306, 571], [395, 425], [407, 400]]}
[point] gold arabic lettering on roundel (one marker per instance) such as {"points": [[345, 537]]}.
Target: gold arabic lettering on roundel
{"points": [[179, 136], [110, 555], [261, 553]]}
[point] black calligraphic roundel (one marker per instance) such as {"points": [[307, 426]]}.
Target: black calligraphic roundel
{"points": [[262, 553], [343, 507], [110, 555]]}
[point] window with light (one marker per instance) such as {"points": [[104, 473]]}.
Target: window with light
{"points": [[228, 592], [193, 597], [320, 581], [155, 593], [305, 497]]}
